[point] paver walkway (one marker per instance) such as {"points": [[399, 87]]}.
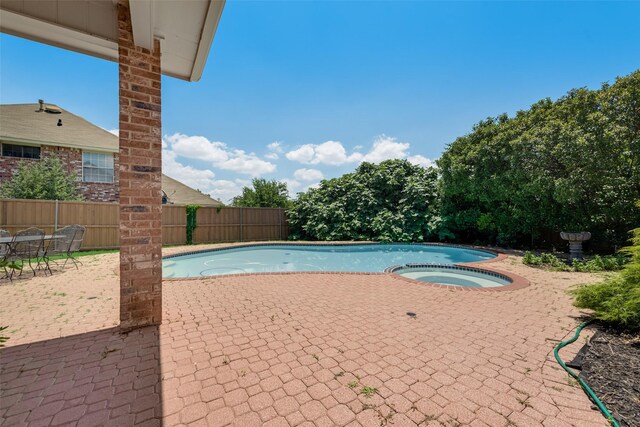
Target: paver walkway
{"points": [[289, 350]]}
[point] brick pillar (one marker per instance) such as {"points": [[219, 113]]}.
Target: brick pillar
{"points": [[140, 179]]}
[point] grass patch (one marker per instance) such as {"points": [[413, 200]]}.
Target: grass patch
{"points": [[85, 253], [19, 265], [367, 391]]}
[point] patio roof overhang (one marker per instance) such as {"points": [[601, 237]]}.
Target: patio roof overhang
{"points": [[185, 28]]}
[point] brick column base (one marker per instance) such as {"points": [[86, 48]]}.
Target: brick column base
{"points": [[140, 179]]}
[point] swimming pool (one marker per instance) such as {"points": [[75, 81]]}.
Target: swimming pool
{"points": [[452, 275], [271, 258]]}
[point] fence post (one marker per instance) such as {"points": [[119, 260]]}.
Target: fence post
{"points": [[241, 221], [55, 223], [280, 217]]}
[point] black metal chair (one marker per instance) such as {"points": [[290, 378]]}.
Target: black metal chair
{"points": [[60, 243], [65, 242], [28, 249], [76, 243]]}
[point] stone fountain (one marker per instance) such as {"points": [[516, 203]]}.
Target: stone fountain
{"points": [[575, 243]]}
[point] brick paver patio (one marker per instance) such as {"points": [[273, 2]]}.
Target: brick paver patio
{"points": [[290, 350]]}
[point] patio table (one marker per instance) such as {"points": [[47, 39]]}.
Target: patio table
{"points": [[9, 240]]}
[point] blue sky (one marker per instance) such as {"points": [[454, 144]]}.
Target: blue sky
{"points": [[302, 90]]}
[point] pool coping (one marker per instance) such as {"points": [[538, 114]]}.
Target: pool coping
{"points": [[517, 282]]}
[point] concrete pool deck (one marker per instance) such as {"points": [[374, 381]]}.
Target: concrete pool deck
{"points": [[288, 350]]}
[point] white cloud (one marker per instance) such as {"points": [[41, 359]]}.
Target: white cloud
{"points": [[385, 148], [218, 154], [201, 179], [308, 174], [275, 147], [178, 148], [333, 153], [304, 154], [247, 163], [293, 186], [328, 153], [197, 147], [421, 161], [225, 190]]}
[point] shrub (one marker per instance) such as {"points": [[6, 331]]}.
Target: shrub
{"points": [[46, 179], [598, 263], [594, 265], [616, 301], [545, 260]]}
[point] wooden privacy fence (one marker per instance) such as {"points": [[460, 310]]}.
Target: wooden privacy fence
{"points": [[101, 220], [239, 225]]}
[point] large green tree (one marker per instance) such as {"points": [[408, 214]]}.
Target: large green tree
{"points": [[263, 194], [391, 201], [570, 165], [45, 179]]}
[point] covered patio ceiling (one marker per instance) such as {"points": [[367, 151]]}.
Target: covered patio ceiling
{"points": [[185, 28]]}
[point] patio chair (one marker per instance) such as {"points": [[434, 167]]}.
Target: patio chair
{"points": [[69, 241], [61, 243], [27, 250]]}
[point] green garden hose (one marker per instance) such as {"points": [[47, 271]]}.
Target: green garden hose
{"points": [[582, 382]]}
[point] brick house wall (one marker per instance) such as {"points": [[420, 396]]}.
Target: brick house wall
{"points": [[72, 160]]}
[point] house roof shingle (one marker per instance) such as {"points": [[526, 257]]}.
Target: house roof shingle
{"points": [[23, 123]]}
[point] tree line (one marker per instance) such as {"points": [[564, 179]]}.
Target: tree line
{"points": [[567, 165]]}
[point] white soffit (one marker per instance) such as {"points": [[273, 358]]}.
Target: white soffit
{"points": [[185, 27]]}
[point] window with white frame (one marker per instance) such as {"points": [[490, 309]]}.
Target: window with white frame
{"points": [[97, 167]]}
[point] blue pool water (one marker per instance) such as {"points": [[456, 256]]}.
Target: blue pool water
{"points": [[287, 258]]}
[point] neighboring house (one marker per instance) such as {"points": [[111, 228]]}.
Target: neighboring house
{"points": [[177, 193], [29, 132]]}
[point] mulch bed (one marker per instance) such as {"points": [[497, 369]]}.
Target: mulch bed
{"points": [[611, 367]]}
